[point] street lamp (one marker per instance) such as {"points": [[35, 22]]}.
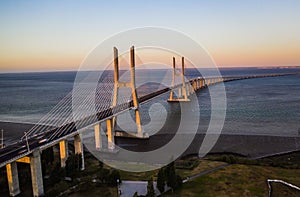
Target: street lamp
{"points": [[118, 181], [2, 144]]}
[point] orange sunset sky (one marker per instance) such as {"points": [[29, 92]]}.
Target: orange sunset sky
{"points": [[58, 35]]}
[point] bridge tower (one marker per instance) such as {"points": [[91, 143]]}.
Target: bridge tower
{"points": [[182, 89], [131, 84], [110, 123]]}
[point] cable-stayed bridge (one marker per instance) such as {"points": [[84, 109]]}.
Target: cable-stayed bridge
{"points": [[96, 104]]}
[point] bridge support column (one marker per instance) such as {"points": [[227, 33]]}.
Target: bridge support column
{"points": [[185, 96], [36, 174], [98, 139], [13, 179], [134, 94], [110, 134], [207, 82], [78, 146], [195, 85], [173, 82], [188, 89], [63, 152], [179, 92]]}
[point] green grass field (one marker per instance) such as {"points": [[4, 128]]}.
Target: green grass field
{"points": [[239, 180], [243, 178]]}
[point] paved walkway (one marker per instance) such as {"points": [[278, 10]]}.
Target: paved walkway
{"points": [[205, 172]]}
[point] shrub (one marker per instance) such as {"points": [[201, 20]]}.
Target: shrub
{"points": [[161, 180]]}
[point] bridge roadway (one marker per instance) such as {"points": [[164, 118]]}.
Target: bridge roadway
{"points": [[42, 141]]}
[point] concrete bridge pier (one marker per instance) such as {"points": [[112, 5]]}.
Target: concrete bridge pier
{"points": [[98, 139], [13, 179], [173, 82], [184, 87], [198, 84], [63, 152], [195, 85], [179, 92], [36, 174], [207, 82], [191, 88], [110, 134], [78, 146], [201, 83], [187, 89]]}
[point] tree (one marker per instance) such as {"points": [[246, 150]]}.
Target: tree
{"points": [[161, 180], [46, 159], [171, 175], [103, 175], [174, 181], [178, 181], [135, 194], [113, 177], [73, 165], [57, 174], [48, 155], [100, 165], [150, 188]]}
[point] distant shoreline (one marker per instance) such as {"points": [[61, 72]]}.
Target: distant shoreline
{"points": [[217, 66], [16, 122]]}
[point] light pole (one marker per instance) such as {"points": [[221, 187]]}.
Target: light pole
{"points": [[2, 144], [118, 181], [27, 141]]}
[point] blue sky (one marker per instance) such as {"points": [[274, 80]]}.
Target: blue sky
{"points": [[57, 35]]}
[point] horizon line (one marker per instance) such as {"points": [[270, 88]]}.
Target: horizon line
{"points": [[219, 67]]}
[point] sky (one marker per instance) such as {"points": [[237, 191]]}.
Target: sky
{"points": [[58, 35]]}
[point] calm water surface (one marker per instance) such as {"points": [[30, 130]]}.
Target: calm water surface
{"points": [[263, 106]]}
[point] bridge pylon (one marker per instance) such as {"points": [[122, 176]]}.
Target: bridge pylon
{"points": [[135, 102], [183, 92]]}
